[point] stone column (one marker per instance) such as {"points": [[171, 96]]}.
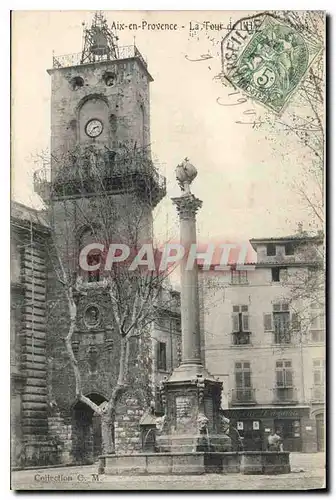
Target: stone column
{"points": [[191, 396], [187, 206]]}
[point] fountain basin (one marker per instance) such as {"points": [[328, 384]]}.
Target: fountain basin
{"points": [[265, 462], [248, 462]]}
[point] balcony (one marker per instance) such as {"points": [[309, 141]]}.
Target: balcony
{"points": [[243, 396], [241, 338], [282, 338], [124, 52], [285, 395], [79, 177], [317, 394]]}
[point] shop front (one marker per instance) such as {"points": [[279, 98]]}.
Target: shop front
{"points": [[254, 425]]}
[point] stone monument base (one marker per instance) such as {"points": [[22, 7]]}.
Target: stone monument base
{"points": [[189, 443], [253, 462]]}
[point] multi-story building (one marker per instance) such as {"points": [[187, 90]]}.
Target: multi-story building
{"points": [[264, 338]]}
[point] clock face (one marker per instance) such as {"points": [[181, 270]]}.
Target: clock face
{"points": [[94, 128]]}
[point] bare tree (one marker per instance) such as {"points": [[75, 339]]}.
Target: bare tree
{"points": [[304, 121], [304, 117]]}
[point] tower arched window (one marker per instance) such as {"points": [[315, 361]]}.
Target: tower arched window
{"points": [[88, 236]]}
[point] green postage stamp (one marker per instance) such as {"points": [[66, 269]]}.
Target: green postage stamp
{"points": [[270, 62]]}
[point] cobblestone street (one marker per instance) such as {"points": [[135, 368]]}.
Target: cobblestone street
{"points": [[307, 473]]}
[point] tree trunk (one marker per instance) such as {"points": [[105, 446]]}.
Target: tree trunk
{"points": [[107, 432]]}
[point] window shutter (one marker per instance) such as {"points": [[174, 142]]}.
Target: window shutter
{"points": [[239, 379], [246, 323], [279, 378], [268, 326], [289, 378], [235, 322], [247, 379], [317, 377], [164, 356], [158, 355], [313, 320]]}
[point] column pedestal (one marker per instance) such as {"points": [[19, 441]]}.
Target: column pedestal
{"points": [[192, 413]]}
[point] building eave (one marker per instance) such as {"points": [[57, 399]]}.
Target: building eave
{"points": [[299, 238]]}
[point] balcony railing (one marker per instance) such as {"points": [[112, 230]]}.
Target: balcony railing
{"points": [[282, 337], [241, 338], [124, 52], [283, 395], [317, 394], [79, 178], [243, 395]]}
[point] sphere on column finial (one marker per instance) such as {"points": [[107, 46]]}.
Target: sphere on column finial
{"points": [[185, 174]]}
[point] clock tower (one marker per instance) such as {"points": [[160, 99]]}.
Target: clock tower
{"points": [[102, 175]]}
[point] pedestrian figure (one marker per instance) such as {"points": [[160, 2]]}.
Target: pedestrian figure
{"points": [[275, 441]]}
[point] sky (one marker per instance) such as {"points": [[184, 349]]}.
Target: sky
{"points": [[245, 175]]}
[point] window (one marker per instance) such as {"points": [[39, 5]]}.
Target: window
{"points": [[284, 381], [318, 380], [281, 306], [243, 391], [270, 249], [87, 237], [240, 325], [238, 277], [109, 78], [289, 249], [92, 260], [243, 375], [275, 273], [279, 274], [284, 374], [76, 82], [161, 356], [317, 336], [318, 372], [281, 322], [316, 317]]}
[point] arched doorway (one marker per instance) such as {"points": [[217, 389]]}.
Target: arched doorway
{"points": [[86, 434], [320, 431]]}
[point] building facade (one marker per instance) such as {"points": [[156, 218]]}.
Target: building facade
{"points": [[264, 337], [28, 340]]}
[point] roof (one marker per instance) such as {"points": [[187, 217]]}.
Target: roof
{"points": [[299, 237], [24, 213]]}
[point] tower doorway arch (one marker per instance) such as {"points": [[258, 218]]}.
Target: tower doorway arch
{"points": [[86, 435]]}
